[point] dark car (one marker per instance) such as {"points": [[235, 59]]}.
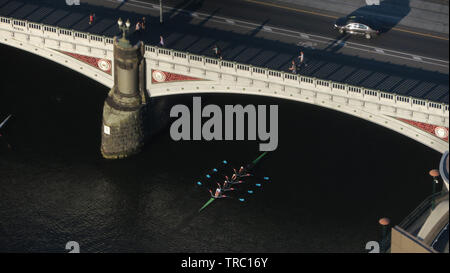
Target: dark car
{"points": [[357, 25]]}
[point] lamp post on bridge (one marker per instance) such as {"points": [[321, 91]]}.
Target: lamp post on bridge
{"points": [[435, 174], [384, 244], [125, 28]]}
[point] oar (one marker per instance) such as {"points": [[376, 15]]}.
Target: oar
{"points": [[4, 122], [254, 162], [259, 158]]}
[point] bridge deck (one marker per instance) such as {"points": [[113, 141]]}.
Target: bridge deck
{"points": [[198, 35]]}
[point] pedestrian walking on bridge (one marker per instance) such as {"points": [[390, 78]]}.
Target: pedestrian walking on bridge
{"points": [[217, 52], [91, 18], [301, 59], [293, 68], [138, 26], [138, 29], [143, 24]]}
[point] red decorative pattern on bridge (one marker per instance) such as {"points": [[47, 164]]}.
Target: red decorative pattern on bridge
{"points": [[102, 64], [159, 76], [439, 131]]}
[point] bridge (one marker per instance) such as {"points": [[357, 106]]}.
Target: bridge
{"points": [[170, 72]]}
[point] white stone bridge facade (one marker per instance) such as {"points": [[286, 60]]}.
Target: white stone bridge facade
{"points": [[170, 72]]}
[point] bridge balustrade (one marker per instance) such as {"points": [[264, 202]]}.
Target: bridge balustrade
{"points": [[97, 38], [354, 89], [80, 35], [195, 58], [258, 70], [418, 102], [385, 95], [371, 93], [402, 99], [290, 77], [306, 79], [274, 73], [227, 64], [436, 105], [338, 86], [34, 26], [65, 32], [223, 66], [50, 29], [211, 61], [19, 23], [243, 67], [180, 55], [164, 51], [323, 83], [150, 49]]}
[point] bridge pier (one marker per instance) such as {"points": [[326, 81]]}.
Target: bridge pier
{"points": [[124, 111]]}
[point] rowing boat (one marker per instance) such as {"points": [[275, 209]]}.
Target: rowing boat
{"points": [[249, 167]]}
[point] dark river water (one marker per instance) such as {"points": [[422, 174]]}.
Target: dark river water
{"points": [[331, 178]]}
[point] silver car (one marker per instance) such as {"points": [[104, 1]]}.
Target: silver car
{"points": [[357, 25]]}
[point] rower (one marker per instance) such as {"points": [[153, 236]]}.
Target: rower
{"points": [[227, 179], [241, 173], [218, 194], [233, 180], [234, 176], [226, 186]]}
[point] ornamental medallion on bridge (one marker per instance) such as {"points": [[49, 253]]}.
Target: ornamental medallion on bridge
{"points": [[439, 131], [159, 76], [99, 63]]}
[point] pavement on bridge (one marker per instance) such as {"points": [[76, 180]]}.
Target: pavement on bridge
{"points": [[398, 62]]}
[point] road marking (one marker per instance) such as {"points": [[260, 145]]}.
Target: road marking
{"points": [[303, 35], [307, 44], [420, 33], [194, 14], [417, 58], [379, 50], [267, 28], [341, 43], [335, 17], [229, 21]]}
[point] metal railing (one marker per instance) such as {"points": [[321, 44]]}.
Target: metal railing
{"points": [[418, 211]]}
